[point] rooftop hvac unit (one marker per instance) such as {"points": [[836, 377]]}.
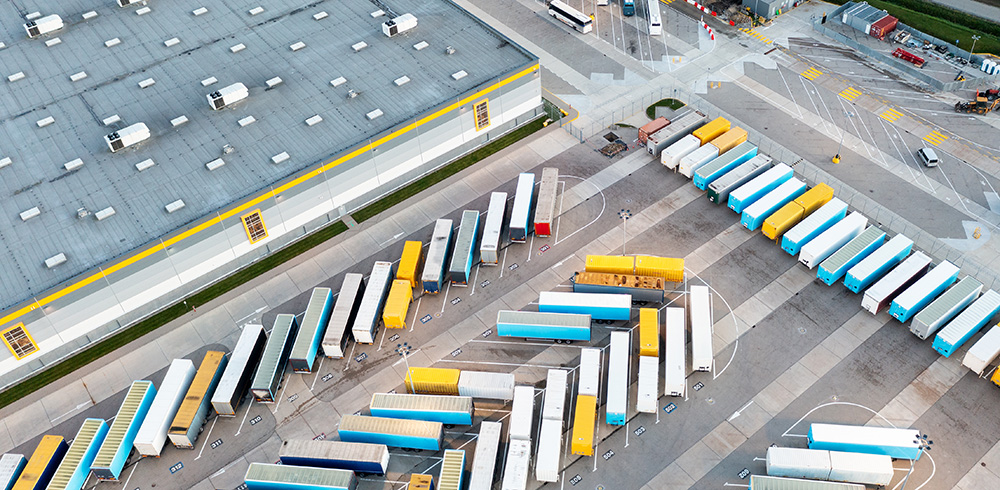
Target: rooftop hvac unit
{"points": [[52, 23], [227, 96], [126, 3], [399, 25], [125, 137]]}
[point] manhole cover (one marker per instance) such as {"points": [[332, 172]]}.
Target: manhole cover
{"points": [[802, 330], [711, 401]]}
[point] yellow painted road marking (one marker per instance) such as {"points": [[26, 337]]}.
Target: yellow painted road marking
{"points": [[935, 138], [891, 115], [757, 35], [850, 93], [811, 73]]}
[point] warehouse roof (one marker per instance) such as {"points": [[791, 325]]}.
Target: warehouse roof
{"points": [[112, 67]]}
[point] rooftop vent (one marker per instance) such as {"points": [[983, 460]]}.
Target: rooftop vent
{"points": [[199, 11], [312, 121], [73, 164], [352, 93], [149, 82], [89, 15], [31, 213], [111, 119], [126, 3], [82, 213], [128, 136], [143, 165], [177, 121], [449, 50], [105, 213], [420, 45], [401, 80], [208, 81], [143, 11], [359, 46], [237, 48], [374, 114], [45, 121], [458, 75], [55, 260], [33, 15], [336, 82], [171, 42], [280, 157], [174, 206], [15, 77], [378, 13], [246, 121], [320, 15], [53, 42], [76, 77], [256, 10], [297, 46], [42, 26], [227, 96], [112, 42], [274, 82], [214, 164], [6, 161], [399, 25]]}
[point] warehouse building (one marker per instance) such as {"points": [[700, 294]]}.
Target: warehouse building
{"points": [[148, 151]]}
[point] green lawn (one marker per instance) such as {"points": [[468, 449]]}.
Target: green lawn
{"points": [[674, 104], [258, 268]]}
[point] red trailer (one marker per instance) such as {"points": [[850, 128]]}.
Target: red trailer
{"points": [[883, 27], [908, 56], [652, 127]]}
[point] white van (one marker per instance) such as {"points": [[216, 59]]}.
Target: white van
{"points": [[928, 157]]}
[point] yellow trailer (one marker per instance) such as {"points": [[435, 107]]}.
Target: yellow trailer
{"points": [[728, 140], [432, 381], [782, 220], [610, 264], [421, 482], [583, 425], [397, 304], [812, 199], [712, 130], [996, 377], [649, 332], [670, 269], [411, 262]]}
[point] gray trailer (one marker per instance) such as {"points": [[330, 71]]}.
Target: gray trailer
{"points": [[345, 310], [678, 128]]}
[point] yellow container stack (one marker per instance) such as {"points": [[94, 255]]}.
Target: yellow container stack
{"points": [[583, 425], [790, 214], [411, 263], [712, 130], [728, 140], [649, 332], [432, 381], [812, 199], [670, 269], [610, 264], [397, 304]]}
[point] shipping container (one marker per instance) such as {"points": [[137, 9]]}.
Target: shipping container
{"points": [[480, 384], [452, 470], [813, 225], [814, 198], [432, 381], [311, 331], [729, 140], [397, 304], [745, 195], [861, 16], [835, 267], [726, 162], [754, 215], [675, 353], [465, 248], [484, 463], [345, 310], [365, 327], [701, 328], [412, 434], [411, 262], [447, 409], [696, 159], [584, 420], [996, 377], [515, 472], [152, 433], [43, 463], [239, 371], [679, 127], [421, 482], [833, 239], [11, 466], [641, 288], [618, 377], [712, 130], [194, 410], [590, 371], [870, 469], [538, 325], [649, 332], [882, 292], [434, 273], [880, 28], [648, 385], [549, 458], [522, 413], [671, 156], [271, 369], [896, 443], [761, 482], [669, 268], [520, 213], [610, 264], [598, 306], [789, 215], [496, 214], [264, 476], [943, 309], [354, 456], [651, 127], [984, 351], [545, 209], [967, 323], [915, 297], [874, 266], [554, 400], [74, 469], [117, 445], [719, 189]]}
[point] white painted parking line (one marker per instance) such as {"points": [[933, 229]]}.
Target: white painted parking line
{"points": [[240, 429]]}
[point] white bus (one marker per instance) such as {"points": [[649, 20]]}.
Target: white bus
{"points": [[655, 26], [570, 16]]}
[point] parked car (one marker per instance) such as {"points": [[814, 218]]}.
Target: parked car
{"points": [[928, 157]]}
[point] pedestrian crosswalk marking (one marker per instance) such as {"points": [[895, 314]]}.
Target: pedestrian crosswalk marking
{"points": [[760, 37], [850, 93], [935, 138], [811, 73], [891, 115]]}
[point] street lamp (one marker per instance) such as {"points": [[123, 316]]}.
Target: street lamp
{"points": [[836, 158], [974, 39], [925, 445], [404, 350], [624, 214]]}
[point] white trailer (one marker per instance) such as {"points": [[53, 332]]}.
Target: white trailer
{"points": [[590, 371], [481, 384], [649, 386], [489, 248], [820, 248], [701, 328], [672, 155], [967, 323], [814, 224], [522, 413], [485, 461], [152, 433], [945, 307], [345, 310], [127, 136], [227, 96], [675, 353], [515, 473], [554, 404], [521, 211], [618, 377], [548, 459], [798, 463], [694, 160], [983, 352], [365, 326], [870, 469], [882, 292]]}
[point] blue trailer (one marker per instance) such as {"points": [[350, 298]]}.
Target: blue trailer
{"points": [[537, 325], [599, 306], [265, 476], [434, 273], [117, 446], [718, 190], [945, 307], [896, 443], [11, 466], [833, 268], [967, 323], [760, 185], [729, 160], [412, 434], [74, 470], [521, 211], [447, 409], [878, 263], [465, 248], [755, 214], [813, 225], [917, 296], [355, 456], [311, 330]]}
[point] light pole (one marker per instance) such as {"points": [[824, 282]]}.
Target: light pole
{"points": [[925, 445], [974, 39], [404, 350], [624, 214], [836, 158]]}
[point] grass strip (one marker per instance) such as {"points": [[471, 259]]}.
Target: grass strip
{"points": [[673, 104]]}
